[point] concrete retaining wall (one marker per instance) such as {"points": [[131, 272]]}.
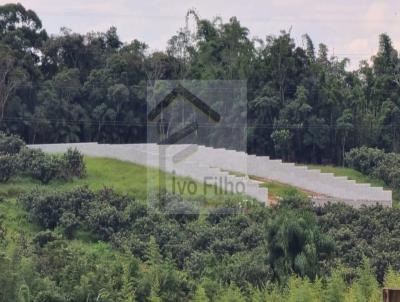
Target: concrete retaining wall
{"points": [[199, 162]]}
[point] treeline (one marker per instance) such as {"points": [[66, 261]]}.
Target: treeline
{"points": [[303, 104], [104, 246]]}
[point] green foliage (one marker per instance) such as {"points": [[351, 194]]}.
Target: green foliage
{"points": [[7, 279], [368, 231], [335, 287], [231, 294], [377, 163], [69, 224], [302, 290], [365, 288], [200, 295], [281, 140], [215, 257], [296, 244], [8, 167], [45, 168], [27, 157], [364, 159], [10, 144], [73, 164], [392, 278], [44, 237], [15, 158]]}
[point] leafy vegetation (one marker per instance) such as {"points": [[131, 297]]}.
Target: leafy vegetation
{"points": [[17, 159], [377, 164], [84, 245]]}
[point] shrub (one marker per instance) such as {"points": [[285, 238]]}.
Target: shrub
{"points": [[182, 211], [364, 159], [388, 169], [109, 196], [44, 208], [377, 163], [73, 163], [79, 201], [51, 209], [8, 165], [134, 211], [68, 223], [10, 144], [27, 156], [45, 168], [46, 296], [105, 220], [44, 237]]}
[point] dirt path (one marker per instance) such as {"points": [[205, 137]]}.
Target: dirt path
{"points": [[273, 199]]}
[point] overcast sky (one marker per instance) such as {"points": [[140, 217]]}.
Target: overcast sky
{"points": [[349, 28]]}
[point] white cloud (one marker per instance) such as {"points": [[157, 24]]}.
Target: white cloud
{"points": [[377, 14]]}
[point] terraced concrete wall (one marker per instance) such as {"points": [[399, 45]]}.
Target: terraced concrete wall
{"points": [[204, 161]]}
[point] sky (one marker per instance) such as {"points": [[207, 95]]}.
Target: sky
{"points": [[349, 28]]}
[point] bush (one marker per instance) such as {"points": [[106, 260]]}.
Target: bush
{"points": [[376, 163], [8, 165], [64, 209], [105, 219], [10, 144], [182, 211], [45, 168], [44, 237], [388, 169], [27, 156], [44, 208], [364, 159], [74, 164], [69, 223]]}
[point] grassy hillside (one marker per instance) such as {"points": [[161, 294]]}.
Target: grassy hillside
{"points": [[118, 252], [123, 177]]}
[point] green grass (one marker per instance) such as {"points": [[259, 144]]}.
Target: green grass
{"points": [[14, 219], [123, 177], [275, 189]]}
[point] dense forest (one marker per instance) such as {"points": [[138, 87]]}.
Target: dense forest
{"points": [[303, 104]]}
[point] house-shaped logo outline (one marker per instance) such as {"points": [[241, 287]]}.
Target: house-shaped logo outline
{"points": [[179, 90]]}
